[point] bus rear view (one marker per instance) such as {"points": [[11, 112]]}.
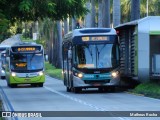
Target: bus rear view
{"points": [[91, 59]]}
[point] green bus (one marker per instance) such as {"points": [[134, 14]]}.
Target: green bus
{"points": [[25, 64], [91, 59]]}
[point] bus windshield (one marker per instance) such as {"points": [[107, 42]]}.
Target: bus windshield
{"points": [[93, 56], [27, 62]]}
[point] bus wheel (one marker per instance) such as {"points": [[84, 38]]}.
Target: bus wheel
{"points": [[102, 90], [77, 90], [68, 89], [112, 89], [12, 85], [40, 84], [2, 77]]}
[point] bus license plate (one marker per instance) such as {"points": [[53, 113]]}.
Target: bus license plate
{"points": [[27, 79]]}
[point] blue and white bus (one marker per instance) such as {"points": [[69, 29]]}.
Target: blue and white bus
{"points": [[91, 59]]}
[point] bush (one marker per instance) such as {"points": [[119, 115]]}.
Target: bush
{"points": [[150, 89], [52, 71]]}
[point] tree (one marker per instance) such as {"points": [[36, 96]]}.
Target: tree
{"points": [[66, 26], [125, 8], [103, 13], [116, 12], [93, 13], [100, 13], [3, 26], [135, 9], [59, 45], [88, 16], [106, 13]]}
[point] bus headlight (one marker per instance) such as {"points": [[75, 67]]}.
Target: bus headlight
{"points": [[40, 73], [80, 75], [13, 74], [114, 74], [3, 71]]}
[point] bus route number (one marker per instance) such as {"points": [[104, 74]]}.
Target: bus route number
{"points": [[26, 49]]}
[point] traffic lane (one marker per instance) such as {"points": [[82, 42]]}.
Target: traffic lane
{"points": [[26, 98], [118, 101], [58, 85], [39, 99], [110, 101]]}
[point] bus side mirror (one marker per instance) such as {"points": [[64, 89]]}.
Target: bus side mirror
{"points": [[69, 54]]}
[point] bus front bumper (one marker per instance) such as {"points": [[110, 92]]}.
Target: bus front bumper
{"points": [[78, 82], [26, 78]]}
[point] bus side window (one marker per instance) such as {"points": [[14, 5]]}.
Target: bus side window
{"points": [[7, 52]]}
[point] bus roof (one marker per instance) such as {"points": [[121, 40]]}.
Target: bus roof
{"points": [[26, 44], [91, 31], [4, 46]]}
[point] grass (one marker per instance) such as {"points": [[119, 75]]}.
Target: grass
{"points": [[52, 71], [149, 89]]}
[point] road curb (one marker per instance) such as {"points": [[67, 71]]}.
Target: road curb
{"points": [[6, 105]]}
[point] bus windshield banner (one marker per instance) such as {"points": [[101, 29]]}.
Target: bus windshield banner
{"points": [[95, 38], [26, 49]]}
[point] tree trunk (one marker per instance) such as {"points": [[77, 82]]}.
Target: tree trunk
{"points": [[100, 13], [88, 16], [116, 12], [51, 46], [59, 44], [93, 13], [66, 26], [73, 23], [106, 13], [135, 9]]}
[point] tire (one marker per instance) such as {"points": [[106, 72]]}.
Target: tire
{"points": [[112, 89], [77, 89], [40, 84], [3, 77], [34, 85], [12, 85], [68, 89], [102, 89]]}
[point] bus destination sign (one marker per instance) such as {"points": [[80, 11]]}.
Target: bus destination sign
{"points": [[95, 38], [26, 49]]}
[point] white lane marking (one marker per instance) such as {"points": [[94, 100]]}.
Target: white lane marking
{"points": [[75, 99], [80, 101]]}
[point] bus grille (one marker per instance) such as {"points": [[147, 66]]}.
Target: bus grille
{"points": [[96, 81]]}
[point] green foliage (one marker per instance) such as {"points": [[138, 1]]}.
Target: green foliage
{"points": [[39, 9], [125, 8], [33, 10], [52, 71], [151, 89], [25, 5], [39, 41], [4, 25]]}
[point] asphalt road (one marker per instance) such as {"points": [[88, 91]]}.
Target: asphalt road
{"points": [[53, 100]]}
